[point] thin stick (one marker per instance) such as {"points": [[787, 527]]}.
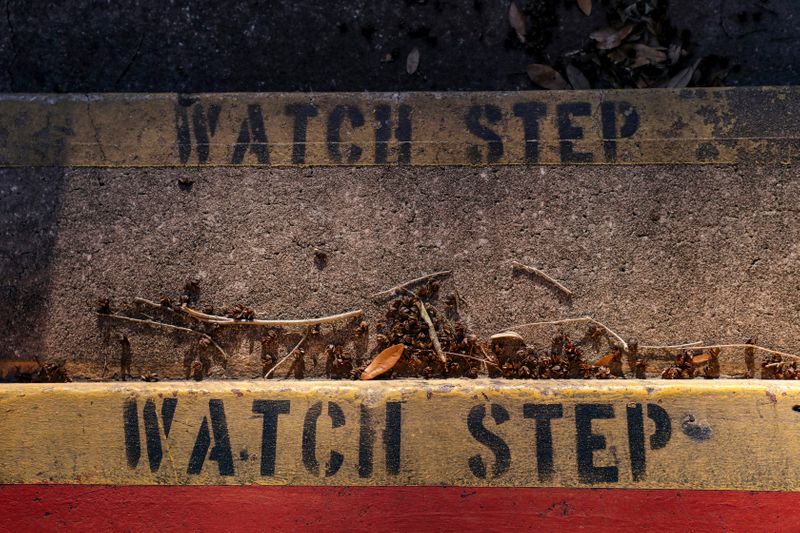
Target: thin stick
{"points": [[303, 322], [568, 320], [287, 356], [671, 346], [431, 330], [411, 282], [487, 361], [167, 326], [542, 275], [753, 346]]}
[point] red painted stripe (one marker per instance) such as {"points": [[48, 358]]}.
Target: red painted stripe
{"points": [[378, 509]]}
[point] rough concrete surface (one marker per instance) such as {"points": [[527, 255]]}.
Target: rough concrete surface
{"points": [[342, 45], [663, 254]]}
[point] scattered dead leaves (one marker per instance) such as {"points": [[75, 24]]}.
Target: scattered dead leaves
{"points": [[610, 38]]}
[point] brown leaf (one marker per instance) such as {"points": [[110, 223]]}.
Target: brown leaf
{"points": [[610, 38], [546, 76], [577, 79], [517, 21], [412, 61], [586, 6], [383, 362], [605, 360], [647, 55], [702, 358], [682, 78]]}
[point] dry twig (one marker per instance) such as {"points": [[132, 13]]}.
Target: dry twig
{"points": [[431, 330], [671, 346], [303, 322], [569, 320], [157, 324], [753, 346], [542, 275], [287, 356], [396, 288]]}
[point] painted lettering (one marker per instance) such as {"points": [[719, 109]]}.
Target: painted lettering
{"points": [[588, 442], [543, 414], [567, 131], [494, 143], [498, 447], [270, 409]]}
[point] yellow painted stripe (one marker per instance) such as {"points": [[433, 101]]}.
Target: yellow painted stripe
{"points": [[693, 126], [726, 434]]}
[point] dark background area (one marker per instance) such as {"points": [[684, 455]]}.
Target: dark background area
{"points": [[354, 45]]}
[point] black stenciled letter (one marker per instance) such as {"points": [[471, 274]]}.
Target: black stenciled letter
{"points": [[530, 113], [502, 454], [587, 442], [567, 130], [636, 441], [392, 436], [310, 438], [301, 113], [269, 431], [204, 127], [335, 120], [473, 120], [608, 113], [663, 432], [151, 430], [383, 134], [658, 439], [366, 443], [543, 413], [221, 452], [252, 136], [133, 445]]}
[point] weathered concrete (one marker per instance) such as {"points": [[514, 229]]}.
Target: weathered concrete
{"points": [[665, 254]]}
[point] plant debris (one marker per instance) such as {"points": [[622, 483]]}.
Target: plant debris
{"points": [[412, 61], [383, 362], [422, 335], [637, 48]]}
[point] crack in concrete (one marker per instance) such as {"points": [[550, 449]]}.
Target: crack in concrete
{"points": [[132, 60], [94, 128]]}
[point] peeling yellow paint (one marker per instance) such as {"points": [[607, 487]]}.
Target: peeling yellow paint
{"points": [[725, 434], [695, 126]]}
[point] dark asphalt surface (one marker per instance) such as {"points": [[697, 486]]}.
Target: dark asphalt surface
{"points": [[345, 45]]}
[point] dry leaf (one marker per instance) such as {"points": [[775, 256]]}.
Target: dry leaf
{"points": [[383, 362], [682, 78], [610, 38], [412, 61], [604, 361], [507, 336], [517, 21], [647, 55], [546, 77], [674, 53], [586, 6], [702, 358], [577, 79]]}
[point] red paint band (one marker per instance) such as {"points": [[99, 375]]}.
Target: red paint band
{"points": [[377, 509]]}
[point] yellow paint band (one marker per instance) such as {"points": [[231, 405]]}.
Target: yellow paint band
{"points": [[664, 126], [722, 434]]}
